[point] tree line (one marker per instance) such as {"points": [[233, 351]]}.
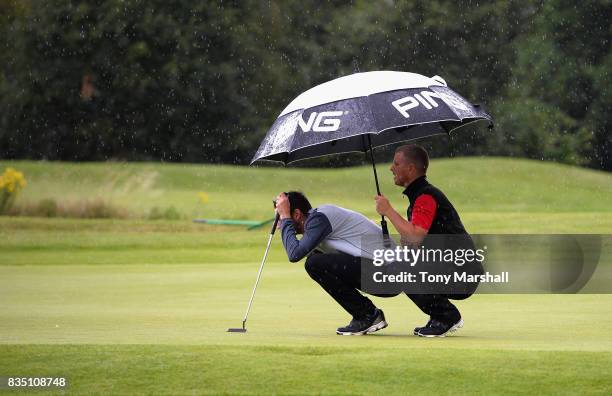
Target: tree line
{"points": [[203, 81]]}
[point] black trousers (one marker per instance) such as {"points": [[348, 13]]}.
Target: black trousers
{"points": [[340, 276]]}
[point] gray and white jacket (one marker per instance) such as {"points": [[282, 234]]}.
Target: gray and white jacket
{"points": [[332, 229]]}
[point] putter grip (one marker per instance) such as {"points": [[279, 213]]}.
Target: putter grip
{"points": [[275, 224]]}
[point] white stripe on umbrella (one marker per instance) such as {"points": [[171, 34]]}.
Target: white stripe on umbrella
{"points": [[358, 85]]}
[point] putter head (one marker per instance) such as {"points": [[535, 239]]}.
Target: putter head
{"points": [[238, 330]]}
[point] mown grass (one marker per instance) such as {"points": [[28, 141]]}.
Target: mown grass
{"points": [[124, 306], [145, 311], [129, 328], [198, 369], [490, 185]]}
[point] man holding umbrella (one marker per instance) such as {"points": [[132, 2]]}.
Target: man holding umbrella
{"points": [[429, 212]]}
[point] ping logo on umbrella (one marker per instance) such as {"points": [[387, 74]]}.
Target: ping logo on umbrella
{"points": [[410, 102], [324, 121]]}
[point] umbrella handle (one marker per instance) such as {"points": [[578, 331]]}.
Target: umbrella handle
{"points": [[383, 225], [385, 232]]}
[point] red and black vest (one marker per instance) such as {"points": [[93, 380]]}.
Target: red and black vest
{"points": [[446, 220]]}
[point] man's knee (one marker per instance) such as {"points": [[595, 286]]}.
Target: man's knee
{"points": [[314, 263]]}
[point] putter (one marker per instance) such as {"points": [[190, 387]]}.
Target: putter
{"points": [[246, 315]]}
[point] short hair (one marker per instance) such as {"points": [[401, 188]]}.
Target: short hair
{"points": [[416, 155], [297, 200]]}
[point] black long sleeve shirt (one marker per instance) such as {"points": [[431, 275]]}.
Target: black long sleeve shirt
{"points": [[316, 228]]}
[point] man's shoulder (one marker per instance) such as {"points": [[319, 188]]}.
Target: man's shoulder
{"points": [[328, 209], [438, 196], [338, 212], [432, 190]]}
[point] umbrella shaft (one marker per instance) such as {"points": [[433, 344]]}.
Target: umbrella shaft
{"points": [[383, 222], [374, 166]]}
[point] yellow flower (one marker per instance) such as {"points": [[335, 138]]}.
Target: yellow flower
{"points": [[12, 180], [203, 197]]}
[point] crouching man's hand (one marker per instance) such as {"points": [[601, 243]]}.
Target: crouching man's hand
{"points": [[282, 206]]}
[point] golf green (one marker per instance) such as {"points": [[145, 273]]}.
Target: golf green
{"points": [[119, 308]]}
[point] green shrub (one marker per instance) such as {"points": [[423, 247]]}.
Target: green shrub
{"points": [[46, 208], [88, 209], [169, 213]]}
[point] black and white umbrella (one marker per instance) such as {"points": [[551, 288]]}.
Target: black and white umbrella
{"points": [[362, 111]]}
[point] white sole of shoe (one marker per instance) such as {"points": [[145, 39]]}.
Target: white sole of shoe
{"points": [[453, 329], [372, 329]]}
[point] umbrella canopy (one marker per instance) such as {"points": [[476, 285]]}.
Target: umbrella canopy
{"points": [[364, 110]]}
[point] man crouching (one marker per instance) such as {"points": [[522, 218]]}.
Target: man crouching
{"points": [[332, 240]]}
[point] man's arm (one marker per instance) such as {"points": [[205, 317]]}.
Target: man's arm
{"points": [[317, 228], [423, 213]]}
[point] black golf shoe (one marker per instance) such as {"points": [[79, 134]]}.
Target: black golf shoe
{"points": [[368, 325], [435, 328], [416, 329]]}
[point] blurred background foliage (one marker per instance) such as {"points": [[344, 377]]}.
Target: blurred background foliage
{"points": [[202, 81]]}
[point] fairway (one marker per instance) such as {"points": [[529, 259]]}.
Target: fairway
{"points": [[501, 188], [139, 306]]}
